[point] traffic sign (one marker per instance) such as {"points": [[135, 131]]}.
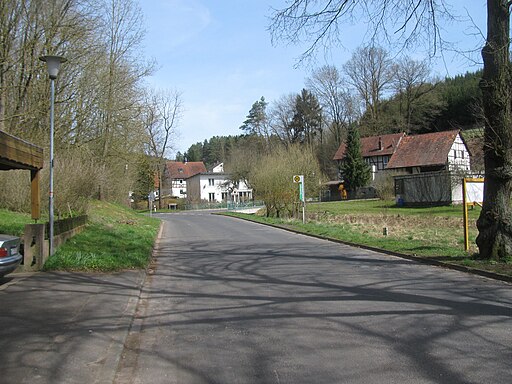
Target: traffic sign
{"points": [[298, 178]]}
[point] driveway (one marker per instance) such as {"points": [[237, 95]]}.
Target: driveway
{"points": [[230, 301]]}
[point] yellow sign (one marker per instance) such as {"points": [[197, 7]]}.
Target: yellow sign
{"points": [[297, 179]]}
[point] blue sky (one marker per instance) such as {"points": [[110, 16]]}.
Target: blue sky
{"points": [[219, 55]]}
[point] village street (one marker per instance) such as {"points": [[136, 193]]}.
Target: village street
{"points": [[228, 301], [235, 302]]}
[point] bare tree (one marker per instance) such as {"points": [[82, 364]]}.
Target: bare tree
{"points": [[328, 84], [495, 229], [411, 82], [10, 14], [370, 72], [281, 116], [162, 115], [321, 22]]}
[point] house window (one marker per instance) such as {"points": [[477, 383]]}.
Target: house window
{"points": [[180, 170], [224, 196], [181, 181], [211, 182], [182, 192], [211, 197]]}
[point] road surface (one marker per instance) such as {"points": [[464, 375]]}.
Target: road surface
{"points": [[230, 301]]}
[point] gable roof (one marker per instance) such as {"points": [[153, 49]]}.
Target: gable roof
{"points": [[370, 146], [423, 150], [180, 170]]}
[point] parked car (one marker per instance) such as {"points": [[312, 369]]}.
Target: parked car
{"points": [[10, 256]]}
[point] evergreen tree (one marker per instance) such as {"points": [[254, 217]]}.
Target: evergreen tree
{"points": [[145, 179], [195, 152], [180, 156], [307, 119], [356, 173], [256, 121]]}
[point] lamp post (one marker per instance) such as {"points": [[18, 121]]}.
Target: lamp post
{"points": [[53, 65]]}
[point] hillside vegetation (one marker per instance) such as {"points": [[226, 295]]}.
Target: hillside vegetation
{"points": [[116, 238]]}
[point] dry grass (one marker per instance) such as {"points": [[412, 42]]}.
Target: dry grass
{"points": [[431, 231]]}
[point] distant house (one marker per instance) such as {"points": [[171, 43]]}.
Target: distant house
{"points": [[431, 152], [177, 173], [215, 186], [375, 150], [426, 168]]}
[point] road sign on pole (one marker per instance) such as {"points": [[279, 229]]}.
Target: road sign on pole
{"points": [[302, 194]]}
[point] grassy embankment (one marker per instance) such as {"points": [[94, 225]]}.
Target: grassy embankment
{"points": [[434, 232], [115, 238]]}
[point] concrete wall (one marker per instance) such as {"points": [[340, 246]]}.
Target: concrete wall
{"points": [[36, 247]]}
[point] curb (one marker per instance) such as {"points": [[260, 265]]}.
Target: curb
{"points": [[123, 368], [422, 260]]}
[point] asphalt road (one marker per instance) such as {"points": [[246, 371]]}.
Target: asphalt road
{"points": [[230, 301]]}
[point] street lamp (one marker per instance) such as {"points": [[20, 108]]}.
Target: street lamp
{"points": [[53, 65]]}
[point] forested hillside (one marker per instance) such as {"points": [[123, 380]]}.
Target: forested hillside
{"points": [[421, 107]]}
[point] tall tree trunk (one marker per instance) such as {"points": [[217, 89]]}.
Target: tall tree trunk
{"points": [[494, 224]]}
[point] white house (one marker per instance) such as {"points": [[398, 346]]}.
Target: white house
{"points": [[431, 152], [216, 187]]}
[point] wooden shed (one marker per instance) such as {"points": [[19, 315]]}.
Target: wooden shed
{"points": [[16, 153]]}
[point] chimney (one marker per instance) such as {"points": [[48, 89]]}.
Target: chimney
{"points": [[380, 144]]}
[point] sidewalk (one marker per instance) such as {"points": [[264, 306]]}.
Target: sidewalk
{"points": [[58, 327]]}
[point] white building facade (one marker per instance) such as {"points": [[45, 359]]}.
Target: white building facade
{"points": [[216, 187]]}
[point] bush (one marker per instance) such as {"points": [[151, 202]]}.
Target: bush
{"points": [[271, 178], [385, 187], [15, 191]]}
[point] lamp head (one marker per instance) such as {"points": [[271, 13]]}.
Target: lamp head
{"points": [[53, 64]]}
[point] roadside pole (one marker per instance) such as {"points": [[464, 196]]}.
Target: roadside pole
{"points": [[299, 179], [151, 199]]}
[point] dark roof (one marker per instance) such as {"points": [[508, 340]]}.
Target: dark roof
{"points": [[180, 170], [370, 146], [423, 150]]}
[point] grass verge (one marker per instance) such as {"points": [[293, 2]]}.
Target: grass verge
{"points": [[115, 238], [432, 233]]}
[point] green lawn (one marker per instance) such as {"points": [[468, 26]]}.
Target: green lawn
{"points": [[13, 223]]}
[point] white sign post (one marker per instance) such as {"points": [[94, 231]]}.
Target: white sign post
{"points": [[299, 179], [151, 199], [472, 194]]}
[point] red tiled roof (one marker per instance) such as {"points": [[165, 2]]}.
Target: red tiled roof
{"points": [[370, 146], [180, 170], [423, 150]]}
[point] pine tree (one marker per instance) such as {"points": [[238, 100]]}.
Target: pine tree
{"points": [[256, 121], [356, 173]]}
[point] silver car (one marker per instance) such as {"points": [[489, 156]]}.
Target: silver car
{"points": [[10, 256]]}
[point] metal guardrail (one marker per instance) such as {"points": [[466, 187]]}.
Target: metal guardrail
{"points": [[229, 205]]}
